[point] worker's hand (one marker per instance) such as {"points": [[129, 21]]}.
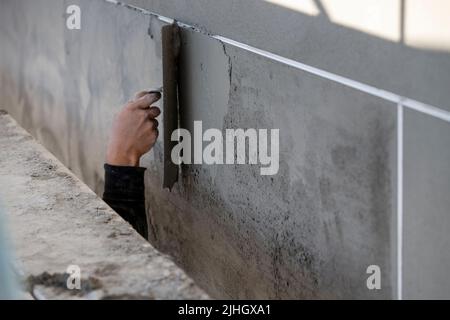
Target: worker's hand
{"points": [[134, 130]]}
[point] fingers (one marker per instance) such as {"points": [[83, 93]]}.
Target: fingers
{"points": [[140, 94], [153, 132], [153, 112], [154, 123], [145, 100]]}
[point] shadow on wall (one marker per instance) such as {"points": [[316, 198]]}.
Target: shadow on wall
{"points": [[415, 23]]}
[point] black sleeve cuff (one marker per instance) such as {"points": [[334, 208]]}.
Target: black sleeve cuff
{"points": [[124, 183]]}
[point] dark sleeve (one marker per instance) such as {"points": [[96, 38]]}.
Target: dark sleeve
{"points": [[124, 192]]}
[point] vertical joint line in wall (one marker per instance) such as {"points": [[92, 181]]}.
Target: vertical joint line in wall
{"points": [[399, 200]]}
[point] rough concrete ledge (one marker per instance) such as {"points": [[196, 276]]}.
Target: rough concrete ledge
{"points": [[54, 221]]}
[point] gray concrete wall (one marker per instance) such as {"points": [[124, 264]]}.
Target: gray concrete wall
{"points": [[308, 232]]}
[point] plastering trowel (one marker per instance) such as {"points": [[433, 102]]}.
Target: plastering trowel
{"points": [[170, 36]]}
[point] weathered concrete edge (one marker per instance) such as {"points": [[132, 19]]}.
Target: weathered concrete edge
{"points": [[52, 228]]}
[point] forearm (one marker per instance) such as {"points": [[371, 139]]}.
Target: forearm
{"points": [[125, 193]]}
